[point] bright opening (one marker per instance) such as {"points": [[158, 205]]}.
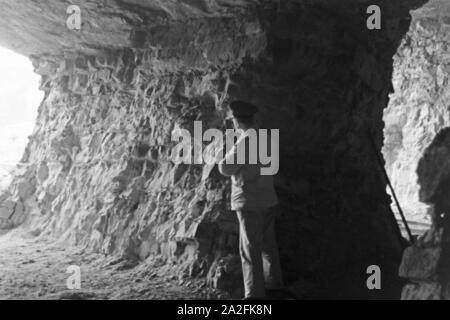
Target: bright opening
{"points": [[19, 102]]}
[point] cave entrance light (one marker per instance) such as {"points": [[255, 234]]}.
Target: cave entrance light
{"points": [[19, 102]]}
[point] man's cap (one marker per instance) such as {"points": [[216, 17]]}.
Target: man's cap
{"points": [[242, 109]]}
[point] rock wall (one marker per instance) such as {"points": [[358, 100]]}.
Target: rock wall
{"points": [[426, 263], [418, 108], [97, 171]]}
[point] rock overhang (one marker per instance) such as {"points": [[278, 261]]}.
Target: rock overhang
{"points": [[36, 28]]}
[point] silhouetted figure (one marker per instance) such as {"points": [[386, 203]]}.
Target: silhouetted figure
{"points": [[253, 198]]}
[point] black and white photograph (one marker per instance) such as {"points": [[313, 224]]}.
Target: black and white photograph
{"points": [[230, 156]]}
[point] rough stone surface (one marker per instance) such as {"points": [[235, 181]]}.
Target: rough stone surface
{"points": [[433, 9], [427, 262], [420, 263], [418, 109], [97, 173], [422, 291]]}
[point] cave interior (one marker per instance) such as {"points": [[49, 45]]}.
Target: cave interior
{"points": [[96, 172]]}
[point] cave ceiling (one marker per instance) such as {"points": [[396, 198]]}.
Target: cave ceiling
{"points": [[33, 27]]}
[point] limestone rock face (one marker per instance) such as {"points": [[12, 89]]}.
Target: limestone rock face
{"points": [[418, 108], [97, 170]]}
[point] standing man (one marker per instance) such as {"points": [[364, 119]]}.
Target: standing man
{"points": [[253, 198]]}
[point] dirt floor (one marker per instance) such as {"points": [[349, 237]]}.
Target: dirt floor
{"points": [[37, 269]]}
